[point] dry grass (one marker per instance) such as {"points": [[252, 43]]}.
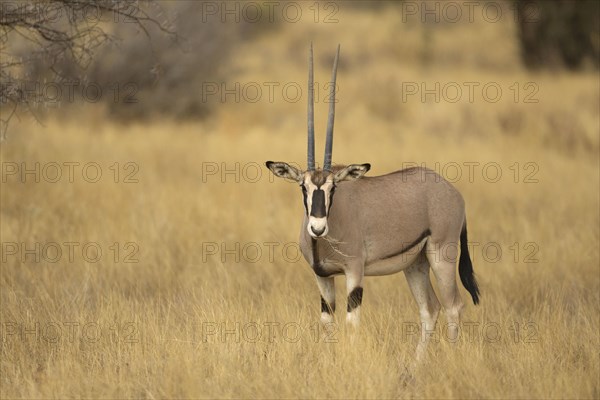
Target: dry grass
{"points": [[152, 314]]}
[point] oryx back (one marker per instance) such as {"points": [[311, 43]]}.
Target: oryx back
{"points": [[386, 220]]}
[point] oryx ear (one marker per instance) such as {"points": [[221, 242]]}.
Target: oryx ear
{"points": [[284, 170], [351, 172]]}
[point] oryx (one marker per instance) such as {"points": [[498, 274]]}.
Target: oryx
{"points": [[408, 220]]}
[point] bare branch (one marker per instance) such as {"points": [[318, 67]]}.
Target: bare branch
{"points": [[59, 34]]}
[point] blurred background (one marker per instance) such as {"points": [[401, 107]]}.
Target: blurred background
{"points": [[177, 105], [148, 60]]}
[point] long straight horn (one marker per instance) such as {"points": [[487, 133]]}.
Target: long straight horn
{"points": [[331, 117], [311, 113]]}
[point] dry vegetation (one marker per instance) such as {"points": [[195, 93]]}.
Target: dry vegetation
{"points": [[537, 329]]}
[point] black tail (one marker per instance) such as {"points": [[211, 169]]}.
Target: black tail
{"points": [[465, 268]]}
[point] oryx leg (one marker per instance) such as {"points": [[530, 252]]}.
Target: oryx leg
{"points": [[327, 289], [417, 276], [354, 289], [442, 259]]}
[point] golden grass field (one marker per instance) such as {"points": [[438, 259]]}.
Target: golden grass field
{"points": [[184, 320]]}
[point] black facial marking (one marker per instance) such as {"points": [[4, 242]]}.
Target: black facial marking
{"points": [[327, 308], [355, 298], [331, 192], [318, 204], [305, 196], [426, 233]]}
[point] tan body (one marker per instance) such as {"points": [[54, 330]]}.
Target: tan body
{"points": [[385, 235]]}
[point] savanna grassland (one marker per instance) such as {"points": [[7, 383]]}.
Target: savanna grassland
{"points": [[198, 290]]}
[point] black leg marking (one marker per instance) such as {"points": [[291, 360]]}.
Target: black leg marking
{"points": [[327, 308], [355, 298]]}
